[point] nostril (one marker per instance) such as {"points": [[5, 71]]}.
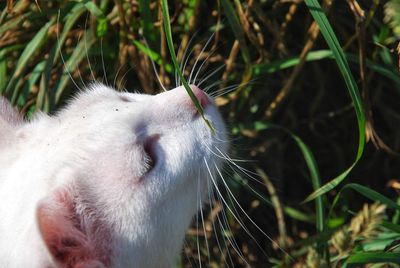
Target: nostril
{"points": [[201, 96]]}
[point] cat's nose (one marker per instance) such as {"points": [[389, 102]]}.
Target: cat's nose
{"points": [[201, 96]]}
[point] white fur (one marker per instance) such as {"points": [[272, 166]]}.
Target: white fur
{"points": [[94, 150]]}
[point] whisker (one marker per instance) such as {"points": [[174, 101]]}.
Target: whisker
{"points": [[86, 50], [212, 201], [202, 64], [198, 57], [231, 239], [204, 226], [123, 77], [207, 88], [224, 225], [61, 56], [177, 78], [116, 75], [102, 61], [185, 245], [229, 208], [247, 216], [154, 67], [183, 69], [231, 160], [197, 220], [224, 92], [211, 74], [78, 69]]}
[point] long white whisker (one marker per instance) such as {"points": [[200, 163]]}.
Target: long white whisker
{"points": [[61, 56], [183, 61], [225, 225], [232, 241], [201, 53], [154, 67], [232, 161], [202, 64], [78, 70], [204, 225], [209, 87], [102, 61], [123, 77], [226, 91], [115, 78], [227, 88], [247, 216], [211, 74], [230, 210], [87, 54], [197, 220], [183, 69], [212, 201], [185, 245]]}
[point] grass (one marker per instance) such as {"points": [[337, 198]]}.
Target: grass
{"points": [[316, 83]]}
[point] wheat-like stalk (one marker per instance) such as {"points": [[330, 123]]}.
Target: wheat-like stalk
{"points": [[363, 226], [314, 260]]}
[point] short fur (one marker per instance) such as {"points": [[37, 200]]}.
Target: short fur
{"points": [[110, 181]]}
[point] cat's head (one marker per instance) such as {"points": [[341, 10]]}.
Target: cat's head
{"points": [[130, 170]]}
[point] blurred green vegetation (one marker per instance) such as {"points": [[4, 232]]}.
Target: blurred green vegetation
{"points": [[310, 94]]}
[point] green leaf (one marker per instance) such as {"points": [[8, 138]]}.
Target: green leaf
{"points": [[146, 21], [272, 67], [102, 26], [33, 46], [330, 37], [311, 164], [391, 226], [73, 62], [3, 64], [154, 56], [373, 257], [368, 193], [236, 29], [168, 35], [70, 19]]}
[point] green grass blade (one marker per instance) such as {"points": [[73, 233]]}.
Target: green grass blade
{"points": [[102, 26], [3, 62], [34, 45], [391, 226], [236, 29], [311, 165], [275, 66], [168, 35], [154, 56], [289, 211], [333, 43], [37, 71], [373, 257], [146, 21], [368, 193], [72, 15], [73, 62]]}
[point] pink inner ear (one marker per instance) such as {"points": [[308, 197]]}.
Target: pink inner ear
{"points": [[62, 232]]}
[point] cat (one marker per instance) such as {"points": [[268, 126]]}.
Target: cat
{"points": [[111, 180]]}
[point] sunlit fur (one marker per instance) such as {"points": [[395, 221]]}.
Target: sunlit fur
{"points": [[90, 157]]}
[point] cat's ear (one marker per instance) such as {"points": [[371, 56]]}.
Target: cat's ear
{"points": [[61, 229], [7, 113]]}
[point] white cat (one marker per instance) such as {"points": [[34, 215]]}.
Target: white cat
{"points": [[112, 180]]}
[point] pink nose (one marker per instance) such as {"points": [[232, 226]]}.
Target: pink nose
{"points": [[201, 96]]}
